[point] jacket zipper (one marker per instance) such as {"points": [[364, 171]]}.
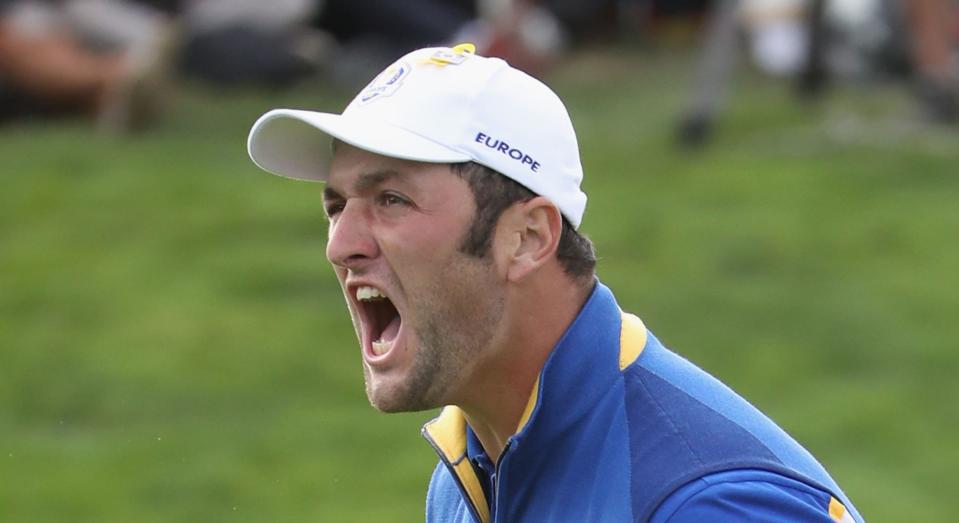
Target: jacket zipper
{"points": [[495, 490]]}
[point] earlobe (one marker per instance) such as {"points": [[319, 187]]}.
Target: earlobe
{"points": [[535, 227]]}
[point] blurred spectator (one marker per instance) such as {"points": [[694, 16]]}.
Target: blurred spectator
{"points": [[813, 39], [236, 42], [277, 43], [527, 33], [912, 39], [372, 33], [95, 57]]}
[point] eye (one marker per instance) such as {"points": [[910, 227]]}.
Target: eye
{"points": [[389, 199], [333, 209]]}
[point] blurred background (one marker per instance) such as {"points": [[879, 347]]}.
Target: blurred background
{"points": [[772, 184]]}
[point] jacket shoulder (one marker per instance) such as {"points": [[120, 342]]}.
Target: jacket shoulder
{"points": [[752, 495], [685, 424]]}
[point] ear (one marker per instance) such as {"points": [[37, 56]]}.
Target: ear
{"points": [[527, 236]]}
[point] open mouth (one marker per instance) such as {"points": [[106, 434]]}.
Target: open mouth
{"points": [[381, 320]]}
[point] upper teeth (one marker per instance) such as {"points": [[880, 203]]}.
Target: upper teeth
{"points": [[368, 293]]}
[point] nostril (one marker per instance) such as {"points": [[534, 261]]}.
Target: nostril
{"points": [[354, 261]]}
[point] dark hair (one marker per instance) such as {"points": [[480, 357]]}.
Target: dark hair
{"points": [[494, 193]]}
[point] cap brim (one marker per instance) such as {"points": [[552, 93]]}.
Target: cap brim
{"points": [[286, 142]]}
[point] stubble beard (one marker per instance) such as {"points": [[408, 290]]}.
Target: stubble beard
{"points": [[455, 324]]}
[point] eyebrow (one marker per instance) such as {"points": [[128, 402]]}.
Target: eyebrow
{"points": [[370, 180], [364, 183]]}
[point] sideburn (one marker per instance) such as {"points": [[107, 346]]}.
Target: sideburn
{"points": [[493, 193]]}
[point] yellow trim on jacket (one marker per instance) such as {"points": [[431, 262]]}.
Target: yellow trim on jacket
{"points": [[447, 432]]}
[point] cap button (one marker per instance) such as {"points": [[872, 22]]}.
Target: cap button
{"points": [[465, 47]]}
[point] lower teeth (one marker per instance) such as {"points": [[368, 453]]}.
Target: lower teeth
{"points": [[380, 347]]}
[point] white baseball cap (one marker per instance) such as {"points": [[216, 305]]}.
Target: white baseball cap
{"points": [[442, 105]]}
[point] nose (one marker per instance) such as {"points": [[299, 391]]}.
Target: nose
{"points": [[351, 243]]}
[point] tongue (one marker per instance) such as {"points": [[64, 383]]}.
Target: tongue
{"points": [[391, 330]]}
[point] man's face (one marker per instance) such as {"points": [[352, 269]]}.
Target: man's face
{"points": [[423, 311]]}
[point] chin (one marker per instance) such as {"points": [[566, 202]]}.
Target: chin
{"points": [[389, 408], [383, 401]]}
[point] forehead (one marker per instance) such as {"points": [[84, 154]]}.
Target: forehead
{"points": [[355, 170]]}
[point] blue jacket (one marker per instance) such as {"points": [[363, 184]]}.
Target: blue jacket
{"points": [[618, 429]]}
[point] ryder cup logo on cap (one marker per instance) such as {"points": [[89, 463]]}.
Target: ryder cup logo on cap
{"points": [[386, 83], [441, 105]]}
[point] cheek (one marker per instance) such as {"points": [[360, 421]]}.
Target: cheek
{"points": [[421, 244]]}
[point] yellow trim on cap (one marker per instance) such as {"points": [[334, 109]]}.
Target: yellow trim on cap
{"points": [[530, 405], [448, 434], [632, 339], [464, 47]]}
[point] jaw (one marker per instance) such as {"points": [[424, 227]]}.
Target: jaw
{"points": [[407, 387]]}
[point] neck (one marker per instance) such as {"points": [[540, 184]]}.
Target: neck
{"points": [[535, 318]]}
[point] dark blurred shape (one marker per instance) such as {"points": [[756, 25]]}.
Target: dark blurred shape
{"points": [[530, 34], [372, 33], [696, 126], [939, 99], [585, 21], [245, 55], [403, 25], [243, 42], [695, 129], [812, 79]]}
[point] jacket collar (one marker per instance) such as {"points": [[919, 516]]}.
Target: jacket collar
{"points": [[588, 359]]}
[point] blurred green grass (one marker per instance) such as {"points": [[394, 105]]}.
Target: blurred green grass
{"points": [[174, 347]]}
